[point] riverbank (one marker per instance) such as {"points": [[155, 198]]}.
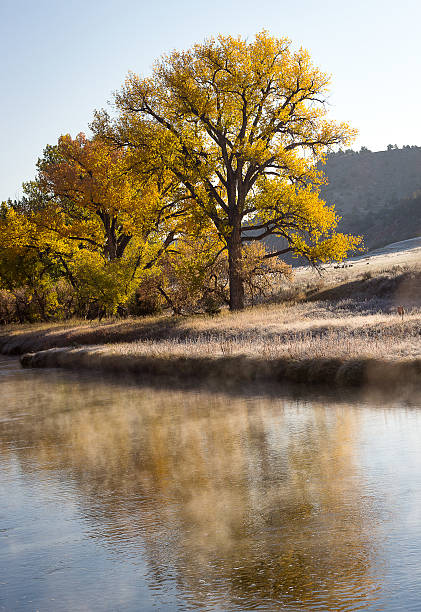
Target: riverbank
{"points": [[235, 368], [345, 333], [307, 342]]}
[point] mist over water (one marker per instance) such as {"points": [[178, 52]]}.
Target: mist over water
{"points": [[117, 496]]}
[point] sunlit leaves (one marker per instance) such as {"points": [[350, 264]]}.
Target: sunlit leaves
{"points": [[217, 150], [246, 123]]}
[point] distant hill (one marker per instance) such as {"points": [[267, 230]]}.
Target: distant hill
{"points": [[393, 222], [377, 194]]}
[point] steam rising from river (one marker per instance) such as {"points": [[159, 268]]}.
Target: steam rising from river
{"points": [[246, 500]]}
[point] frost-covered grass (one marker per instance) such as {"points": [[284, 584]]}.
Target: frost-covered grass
{"points": [[337, 343], [301, 331]]}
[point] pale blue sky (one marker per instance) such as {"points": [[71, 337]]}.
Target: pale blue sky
{"points": [[62, 59]]}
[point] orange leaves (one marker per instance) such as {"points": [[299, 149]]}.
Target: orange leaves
{"points": [[89, 173]]}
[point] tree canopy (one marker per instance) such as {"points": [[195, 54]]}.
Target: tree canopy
{"points": [[244, 124], [214, 152]]}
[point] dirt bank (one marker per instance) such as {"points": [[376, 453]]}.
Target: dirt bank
{"points": [[237, 368]]}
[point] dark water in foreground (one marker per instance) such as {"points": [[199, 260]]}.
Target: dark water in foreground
{"points": [[121, 497]]}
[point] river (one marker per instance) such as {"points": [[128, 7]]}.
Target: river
{"points": [[122, 496]]}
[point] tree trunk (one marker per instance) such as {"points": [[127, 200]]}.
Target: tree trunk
{"points": [[235, 270]]}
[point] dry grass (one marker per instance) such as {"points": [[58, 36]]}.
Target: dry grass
{"points": [[306, 329], [378, 349], [336, 344]]}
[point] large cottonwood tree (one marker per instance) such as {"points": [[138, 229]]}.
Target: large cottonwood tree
{"points": [[243, 125]]}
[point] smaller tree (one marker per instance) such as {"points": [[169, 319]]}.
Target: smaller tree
{"points": [[105, 219], [261, 273]]}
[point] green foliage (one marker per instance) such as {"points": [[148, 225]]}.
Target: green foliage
{"points": [[106, 283]]}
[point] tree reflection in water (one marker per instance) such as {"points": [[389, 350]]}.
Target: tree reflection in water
{"points": [[246, 501]]}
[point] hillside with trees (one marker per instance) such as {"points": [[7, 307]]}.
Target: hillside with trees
{"points": [[377, 194]]}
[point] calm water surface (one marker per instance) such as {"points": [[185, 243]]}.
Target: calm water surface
{"points": [[116, 496]]}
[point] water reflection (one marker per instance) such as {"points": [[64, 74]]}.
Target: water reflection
{"points": [[233, 502]]}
